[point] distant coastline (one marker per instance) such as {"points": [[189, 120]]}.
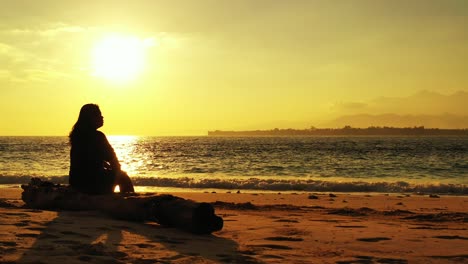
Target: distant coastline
{"points": [[345, 131]]}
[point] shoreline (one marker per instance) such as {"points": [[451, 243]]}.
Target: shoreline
{"points": [[181, 190], [301, 227], [273, 185]]}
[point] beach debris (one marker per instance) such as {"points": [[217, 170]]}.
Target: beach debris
{"points": [[434, 196], [398, 212], [237, 206], [331, 195], [167, 210], [363, 211], [313, 197], [238, 191], [440, 217], [6, 204]]}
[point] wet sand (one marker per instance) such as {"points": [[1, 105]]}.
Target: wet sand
{"points": [[258, 228]]}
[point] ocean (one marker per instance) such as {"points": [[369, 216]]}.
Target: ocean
{"points": [[398, 164]]}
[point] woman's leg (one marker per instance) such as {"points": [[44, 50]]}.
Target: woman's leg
{"points": [[124, 182]]}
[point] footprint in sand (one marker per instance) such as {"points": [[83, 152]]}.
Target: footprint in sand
{"points": [[18, 214], [283, 238], [103, 228], [287, 221], [373, 239], [67, 242], [8, 243], [34, 211], [27, 235], [36, 228], [85, 258], [455, 258], [371, 259], [351, 226], [145, 261], [451, 237], [142, 245], [96, 249], [74, 234], [21, 224], [273, 246], [122, 227], [174, 242], [48, 236], [271, 257]]}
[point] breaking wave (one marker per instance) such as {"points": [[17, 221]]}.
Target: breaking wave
{"points": [[260, 184]]}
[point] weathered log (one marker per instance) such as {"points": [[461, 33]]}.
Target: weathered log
{"points": [[167, 210]]}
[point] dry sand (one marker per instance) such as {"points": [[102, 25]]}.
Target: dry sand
{"points": [[258, 228]]}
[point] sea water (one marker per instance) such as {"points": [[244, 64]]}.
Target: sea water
{"points": [[348, 164]]}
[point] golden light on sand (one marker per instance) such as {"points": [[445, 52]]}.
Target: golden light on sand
{"points": [[119, 58]]}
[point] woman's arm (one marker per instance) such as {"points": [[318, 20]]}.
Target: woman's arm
{"points": [[108, 152]]}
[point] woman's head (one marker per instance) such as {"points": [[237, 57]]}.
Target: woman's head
{"points": [[90, 116], [89, 119]]}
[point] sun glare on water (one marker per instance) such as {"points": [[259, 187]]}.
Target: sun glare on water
{"points": [[119, 58]]}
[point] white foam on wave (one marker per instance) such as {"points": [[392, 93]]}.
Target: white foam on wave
{"points": [[261, 184]]}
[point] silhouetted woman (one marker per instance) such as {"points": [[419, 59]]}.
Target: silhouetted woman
{"points": [[94, 167]]}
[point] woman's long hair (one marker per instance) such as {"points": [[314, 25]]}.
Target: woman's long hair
{"points": [[85, 123]]}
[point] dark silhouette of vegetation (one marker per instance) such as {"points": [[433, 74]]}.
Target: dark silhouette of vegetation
{"points": [[347, 131]]}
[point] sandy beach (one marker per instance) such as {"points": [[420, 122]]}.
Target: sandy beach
{"points": [[258, 228]]}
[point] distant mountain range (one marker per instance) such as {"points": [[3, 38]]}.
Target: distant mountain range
{"points": [[425, 108], [395, 120], [346, 131], [421, 103]]}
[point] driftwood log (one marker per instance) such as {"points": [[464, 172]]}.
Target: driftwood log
{"points": [[167, 210]]}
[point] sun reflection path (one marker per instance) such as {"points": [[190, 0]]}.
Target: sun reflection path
{"points": [[125, 149]]}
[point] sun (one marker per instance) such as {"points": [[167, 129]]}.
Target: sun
{"points": [[119, 58]]}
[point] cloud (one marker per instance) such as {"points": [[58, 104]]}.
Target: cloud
{"points": [[12, 60], [10, 53], [59, 50], [46, 52], [22, 65], [51, 31], [45, 30]]}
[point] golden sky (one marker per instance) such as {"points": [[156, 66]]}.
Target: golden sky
{"points": [[186, 67]]}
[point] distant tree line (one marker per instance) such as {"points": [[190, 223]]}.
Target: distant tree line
{"points": [[347, 131]]}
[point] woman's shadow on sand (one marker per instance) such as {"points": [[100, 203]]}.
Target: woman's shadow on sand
{"points": [[91, 237]]}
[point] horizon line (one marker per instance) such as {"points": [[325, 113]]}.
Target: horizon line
{"points": [[207, 132]]}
